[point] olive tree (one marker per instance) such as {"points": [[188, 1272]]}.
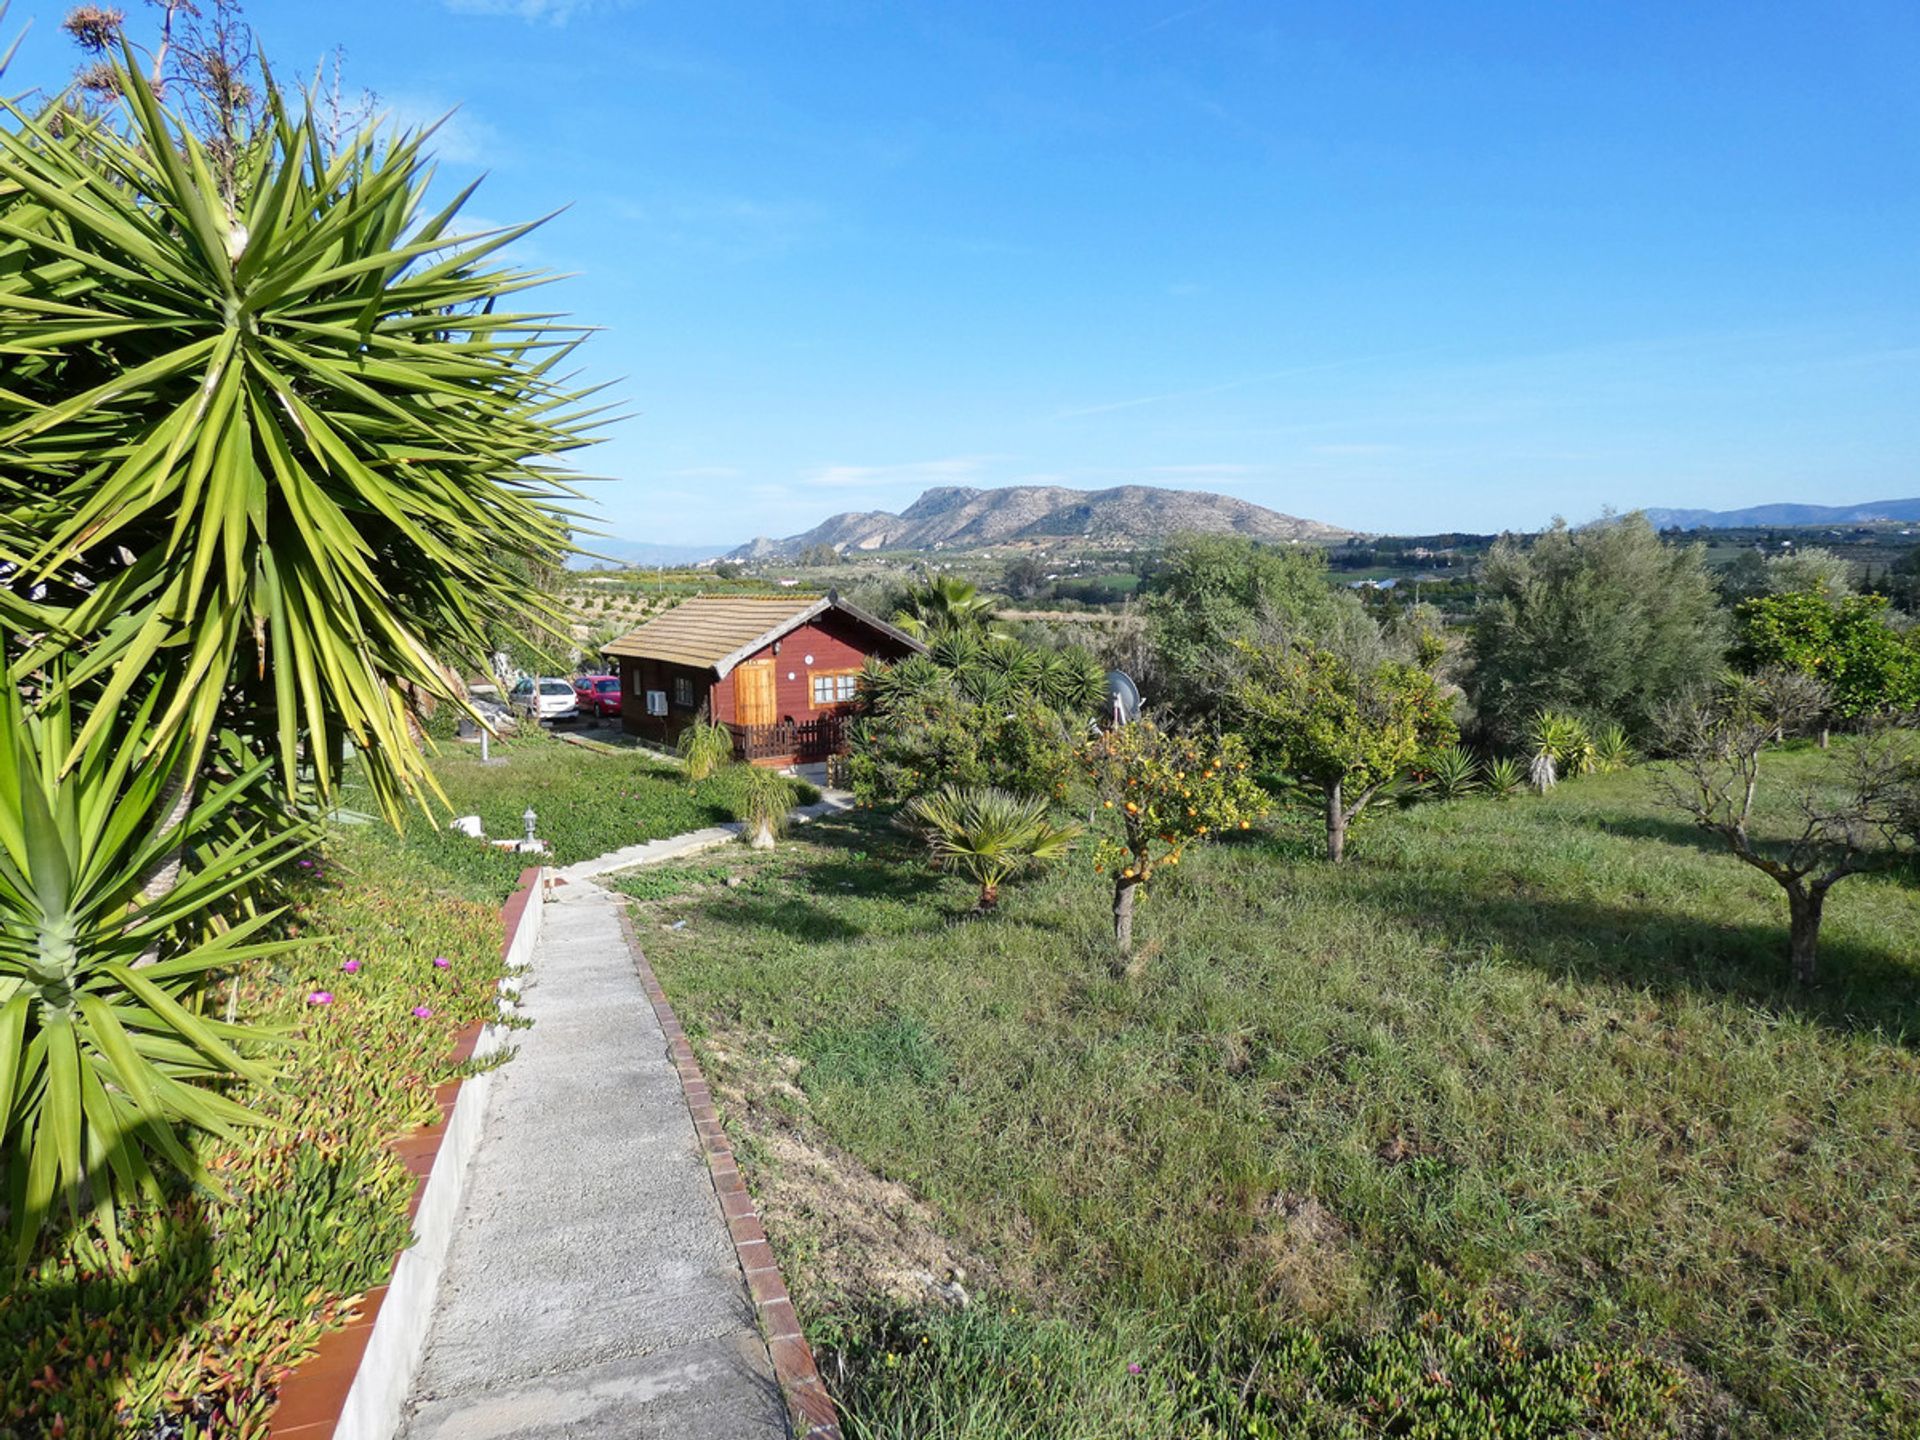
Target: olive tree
{"points": [[1605, 622], [1856, 817]]}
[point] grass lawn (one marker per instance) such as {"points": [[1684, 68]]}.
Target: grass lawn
{"points": [[1516, 1109], [588, 801]]}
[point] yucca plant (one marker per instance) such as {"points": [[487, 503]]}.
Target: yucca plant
{"points": [[988, 835], [104, 1050], [1560, 746], [1612, 750], [704, 746], [765, 798], [270, 436], [1452, 772], [1505, 777]]}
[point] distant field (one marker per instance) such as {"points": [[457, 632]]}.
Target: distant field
{"points": [[1537, 1055]]}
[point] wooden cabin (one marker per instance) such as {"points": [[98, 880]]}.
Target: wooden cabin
{"points": [[779, 671]]}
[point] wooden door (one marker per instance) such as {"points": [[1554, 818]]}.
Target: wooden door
{"points": [[753, 699]]}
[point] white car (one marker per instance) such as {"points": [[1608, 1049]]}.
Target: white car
{"points": [[544, 698]]}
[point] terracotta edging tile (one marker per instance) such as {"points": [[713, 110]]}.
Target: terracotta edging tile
{"points": [[313, 1395], [809, 1406]]}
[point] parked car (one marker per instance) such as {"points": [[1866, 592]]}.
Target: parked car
{"points": [[597, 694], [544, 698]]}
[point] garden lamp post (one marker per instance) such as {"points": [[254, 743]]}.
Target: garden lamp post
{"points": [[530, 818]]}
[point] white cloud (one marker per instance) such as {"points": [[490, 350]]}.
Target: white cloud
{"points": [[534, 12], [462, 136]]}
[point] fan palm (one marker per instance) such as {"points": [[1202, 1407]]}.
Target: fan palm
{"points": [[942, 605], [988, 835], [104, 1053], [275, 442]]}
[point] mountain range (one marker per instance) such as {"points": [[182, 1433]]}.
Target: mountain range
{"points": [[958, 517], [1785, 515]]}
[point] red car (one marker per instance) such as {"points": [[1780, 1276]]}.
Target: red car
{"points": [[597, 695]]}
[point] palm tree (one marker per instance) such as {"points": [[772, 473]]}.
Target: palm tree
{"points": [[988, 835], [273, 442], [943, 605]]}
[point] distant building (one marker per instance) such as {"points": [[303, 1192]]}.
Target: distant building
{"points": [[779, 671]]}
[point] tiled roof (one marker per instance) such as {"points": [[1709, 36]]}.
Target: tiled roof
{"points": [[722, 630]]}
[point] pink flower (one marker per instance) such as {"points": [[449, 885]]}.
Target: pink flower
{"points": [[423, 1012], [352, 967], [440, 962], [320, 997]]}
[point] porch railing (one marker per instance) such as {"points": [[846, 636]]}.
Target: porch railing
{"points": [[802, 739]]}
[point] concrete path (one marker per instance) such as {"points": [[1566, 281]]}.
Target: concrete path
{"points": [[653, 852], [592, 1292]]}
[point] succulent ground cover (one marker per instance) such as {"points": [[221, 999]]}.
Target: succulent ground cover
{"points": [[1514, 1123], [186, 1332]]}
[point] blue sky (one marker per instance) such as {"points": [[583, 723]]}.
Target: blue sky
{"points": [[1398, 267]]}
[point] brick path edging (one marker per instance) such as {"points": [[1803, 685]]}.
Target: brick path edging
{"points": [[812, 1409]]}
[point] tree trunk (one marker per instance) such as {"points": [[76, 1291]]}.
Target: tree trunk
{"points": [[1123, 915], [1803, 929], [1336, 824], [989, 896]]}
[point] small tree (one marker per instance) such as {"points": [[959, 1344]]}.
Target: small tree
{"points": [[1343, 730], [988, 835], [1158, 793], [1851, 822], [1870, 669]]}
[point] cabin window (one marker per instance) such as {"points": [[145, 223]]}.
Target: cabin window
{"points": [[683, 692], [834, 687]]}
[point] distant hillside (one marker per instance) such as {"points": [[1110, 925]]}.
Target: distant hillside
{"points": [[1786, 515], [955, 517], [622, 553]]}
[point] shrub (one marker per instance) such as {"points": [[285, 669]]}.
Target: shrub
{"points": [[1560, 746], [1505, 777], [1452, 772], [1612, 750], [924, 740], [705, 746], [988, 835], [763, 800]]}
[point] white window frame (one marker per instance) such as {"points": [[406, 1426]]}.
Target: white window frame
{"points": [[843, 687]]}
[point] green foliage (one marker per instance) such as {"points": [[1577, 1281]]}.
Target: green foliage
{"points": [[104, 1050], [1612, 749], [945, 605], [1505, 777], [704, 746], [1869, 668], [1607, 621], [1752, 575], [1560, 746], [1453, 1373], [1216, 592], [988, 835], [214, 1292], [1336, 728], [289, 444], [1452, 771], [1158, 793], [764, 798], [924, 740]]}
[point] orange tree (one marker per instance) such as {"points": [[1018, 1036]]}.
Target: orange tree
{"points": [[1157, 794], [1337, 728]]}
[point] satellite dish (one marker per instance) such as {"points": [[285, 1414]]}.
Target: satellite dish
{"points": [[1123, 697]]}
